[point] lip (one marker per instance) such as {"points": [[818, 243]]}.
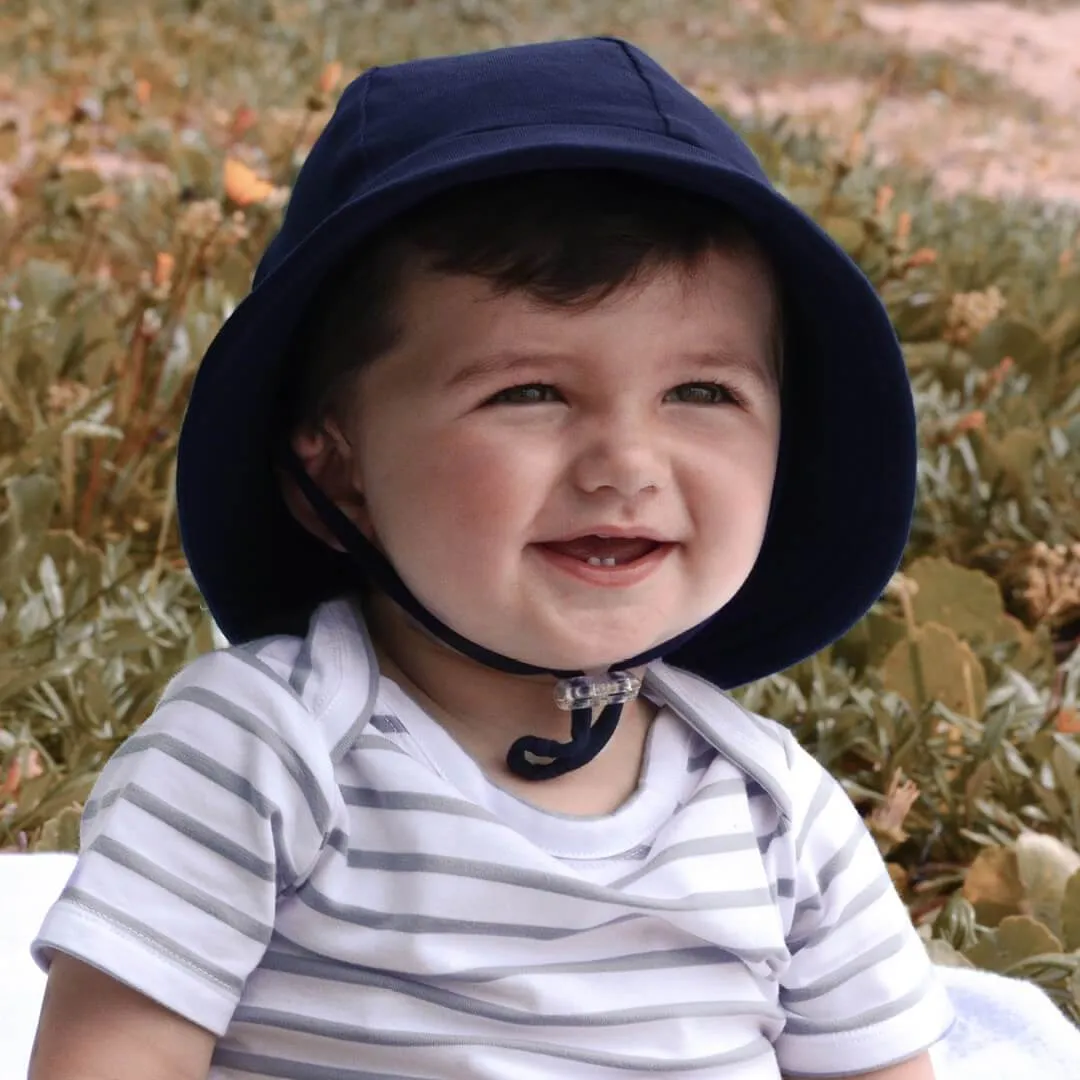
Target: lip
{"points": [[611, 576], [621, 532]]}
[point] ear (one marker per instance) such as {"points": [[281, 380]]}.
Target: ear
{"points": [[329, 460]]}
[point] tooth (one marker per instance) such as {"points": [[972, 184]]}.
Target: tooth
{"points": [[596, 560]]}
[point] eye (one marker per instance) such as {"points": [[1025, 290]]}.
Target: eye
{"points": [[709, 393], [529, 394]]}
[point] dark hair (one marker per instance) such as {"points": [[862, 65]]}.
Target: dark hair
{"points": [[569, 238]]}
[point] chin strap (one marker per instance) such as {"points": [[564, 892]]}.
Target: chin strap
{"points": [[578, 692], [580, 695]]}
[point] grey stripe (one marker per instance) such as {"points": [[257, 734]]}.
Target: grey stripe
{"points": [[797, 1025], [291, 1021], [260, 667], [701, 761], [355, 730], [290, 1070], [689, 849], [882, 951], [873, 892], [671, 696], [261, 1065], [194, 830], [818, 803], [785, 887], [232, 917], [434, 924], [765, 842], [301, 670], [145, 933], [216, 773], [719, 789], [199, 762], [418, 990], [368, 741], [409, 862], [841, 860], [247, 721], [328, 968], [413, 800], [811, 905], [388, 725], [663, 960], [696, 956]]}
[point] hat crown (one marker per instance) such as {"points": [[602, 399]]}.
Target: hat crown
{"points": [[388, 114]]}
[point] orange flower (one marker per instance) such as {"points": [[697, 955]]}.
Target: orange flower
{"points": [[903, 226], [142, 91], [1067, 721], [883, 199], [996, 375], [243, 186], [12, 781], [242, 121], [974, 421], [164, 263], [330, 77], [923, 256]]}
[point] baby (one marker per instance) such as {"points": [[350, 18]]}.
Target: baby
{"points": [[547, 420]]}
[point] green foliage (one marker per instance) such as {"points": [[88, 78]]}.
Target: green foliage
{"points": [[146, 169]]}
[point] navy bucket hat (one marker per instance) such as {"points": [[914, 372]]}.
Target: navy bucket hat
{"points": [[845, 491]]}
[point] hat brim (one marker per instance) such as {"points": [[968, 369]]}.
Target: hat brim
{"points": [[842, 510]]}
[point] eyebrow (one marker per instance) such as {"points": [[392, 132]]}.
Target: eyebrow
{"points": [[508, 361]]}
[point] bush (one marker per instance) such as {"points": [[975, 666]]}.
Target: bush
{"points": [[147, 170]]}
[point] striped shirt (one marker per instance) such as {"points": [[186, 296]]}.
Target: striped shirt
{"points": [[293, 855]]}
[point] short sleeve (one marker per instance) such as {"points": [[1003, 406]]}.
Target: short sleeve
{"points": [[218, 804], [860, 992]]}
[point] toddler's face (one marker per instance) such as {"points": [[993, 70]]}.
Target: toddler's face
{"points": [[497, 425]]}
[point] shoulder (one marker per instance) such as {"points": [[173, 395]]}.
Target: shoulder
{"points": [[288, 684], [765, 752]]}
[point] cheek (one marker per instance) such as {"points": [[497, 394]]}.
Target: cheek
{"points": [[440, 497]]}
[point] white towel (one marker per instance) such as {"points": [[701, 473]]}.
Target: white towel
{"points": [[1006, 1029]]}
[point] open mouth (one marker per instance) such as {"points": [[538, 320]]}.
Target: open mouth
{"points": [[607, 561], [605, 550]]}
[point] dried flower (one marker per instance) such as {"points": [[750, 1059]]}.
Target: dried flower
{"points": [[903, 228], [886, 821], [243, 186], [1044, 583], [970, 313], [65, 396], [164, 264], [26, 766], [923, 256], [199, 220], [243, 120], [330, 77]]}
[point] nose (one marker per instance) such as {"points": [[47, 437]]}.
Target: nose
{"points": [[619, 454]]}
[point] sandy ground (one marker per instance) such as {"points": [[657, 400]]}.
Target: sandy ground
{"points": [[992, 151], [996, 150]]}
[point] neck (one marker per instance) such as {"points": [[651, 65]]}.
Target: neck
{"points": [[484, 709]]}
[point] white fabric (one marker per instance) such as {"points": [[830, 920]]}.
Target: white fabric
{"points": [[290, 855], [1005, 1029]]}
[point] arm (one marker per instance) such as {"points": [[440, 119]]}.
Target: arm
{"points": [[95, 1028], [917, 1068], [859, 990]]}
